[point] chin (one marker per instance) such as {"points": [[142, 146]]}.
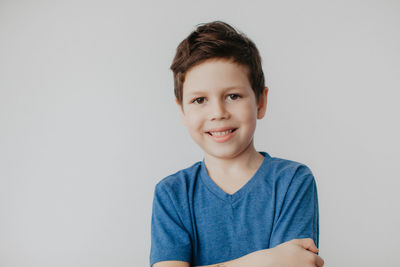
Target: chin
{"points": [[223, 153]]}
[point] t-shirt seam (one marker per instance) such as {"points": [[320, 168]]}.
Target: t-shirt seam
{"points": [[177, 212], [211, 190], [242, 194]]}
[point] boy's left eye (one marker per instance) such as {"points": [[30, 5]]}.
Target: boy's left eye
{"points": [[233, 96]]}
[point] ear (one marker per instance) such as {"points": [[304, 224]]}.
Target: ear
{"points": [[180, 107], [262, 104]]}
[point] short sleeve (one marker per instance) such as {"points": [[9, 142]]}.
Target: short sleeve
{"points": [[169, 238], [299, 215]]}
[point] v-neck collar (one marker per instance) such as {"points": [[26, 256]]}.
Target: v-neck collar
{"points": [[214, 188]]}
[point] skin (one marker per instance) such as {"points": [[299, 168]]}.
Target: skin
{"points": [[210, 101], [217, 93]]}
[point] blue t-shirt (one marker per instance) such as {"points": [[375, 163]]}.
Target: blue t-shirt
{"points": [[195, 221]]}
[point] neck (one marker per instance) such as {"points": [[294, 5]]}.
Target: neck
{"points": [[247, 161]]}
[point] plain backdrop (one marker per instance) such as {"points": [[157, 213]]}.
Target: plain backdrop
{"points": [[88, 122]]}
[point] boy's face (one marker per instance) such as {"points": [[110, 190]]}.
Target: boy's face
{"points": [[219, 107]]}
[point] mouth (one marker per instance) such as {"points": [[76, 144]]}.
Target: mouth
{"points": [[221, 133]]}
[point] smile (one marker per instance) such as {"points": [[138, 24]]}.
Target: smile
{"points": [[221, 133], [222, 136]]}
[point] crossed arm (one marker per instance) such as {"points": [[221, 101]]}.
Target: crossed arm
{"points": [[300, 210], [296, 252]]}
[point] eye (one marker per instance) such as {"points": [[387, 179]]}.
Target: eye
{"points": [[199, 100], [233, 96]]}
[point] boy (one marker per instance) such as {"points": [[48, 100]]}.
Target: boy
{"points": [[237, 207]]}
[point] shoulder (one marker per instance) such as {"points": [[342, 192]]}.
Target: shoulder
{"points": [[289, 166], [285, 171], [180, 181], [290, 179]]}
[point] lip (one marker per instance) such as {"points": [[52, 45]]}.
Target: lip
{"points": [[224, 138], [223, 129]]}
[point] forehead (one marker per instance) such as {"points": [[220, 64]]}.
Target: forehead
{"points": [[215, 74]]}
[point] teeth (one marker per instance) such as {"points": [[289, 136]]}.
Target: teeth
{"points": [[221, 133]]}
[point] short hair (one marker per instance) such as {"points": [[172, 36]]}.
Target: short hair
{"points": [[217, 40]]}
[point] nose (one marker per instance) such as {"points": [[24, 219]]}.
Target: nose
{"points": [[218, 111]]}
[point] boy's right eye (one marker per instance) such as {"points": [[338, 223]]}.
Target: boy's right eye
{"points": [[199, 100]]}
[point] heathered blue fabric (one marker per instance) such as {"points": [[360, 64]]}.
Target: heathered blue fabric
{"points": [[194, 220]]}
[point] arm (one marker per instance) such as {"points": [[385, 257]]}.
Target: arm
{"points": [[170, 240], [297, 209], [297, 252], [171, 264]]}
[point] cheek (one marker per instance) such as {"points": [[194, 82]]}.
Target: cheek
{"points": [[248, 114], [193, 121]]}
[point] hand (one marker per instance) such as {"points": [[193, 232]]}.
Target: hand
{"points": [[295, 253]]}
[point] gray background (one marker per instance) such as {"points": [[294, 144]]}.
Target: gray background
{"points": [[89, 125]]}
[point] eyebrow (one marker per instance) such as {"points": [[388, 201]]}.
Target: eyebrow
{"points": [[225, 89]]}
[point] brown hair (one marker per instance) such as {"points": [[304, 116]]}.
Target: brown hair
{"points": [[217, 40]]}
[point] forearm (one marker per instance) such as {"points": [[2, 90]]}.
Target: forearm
{"points": [[250, 259]]}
